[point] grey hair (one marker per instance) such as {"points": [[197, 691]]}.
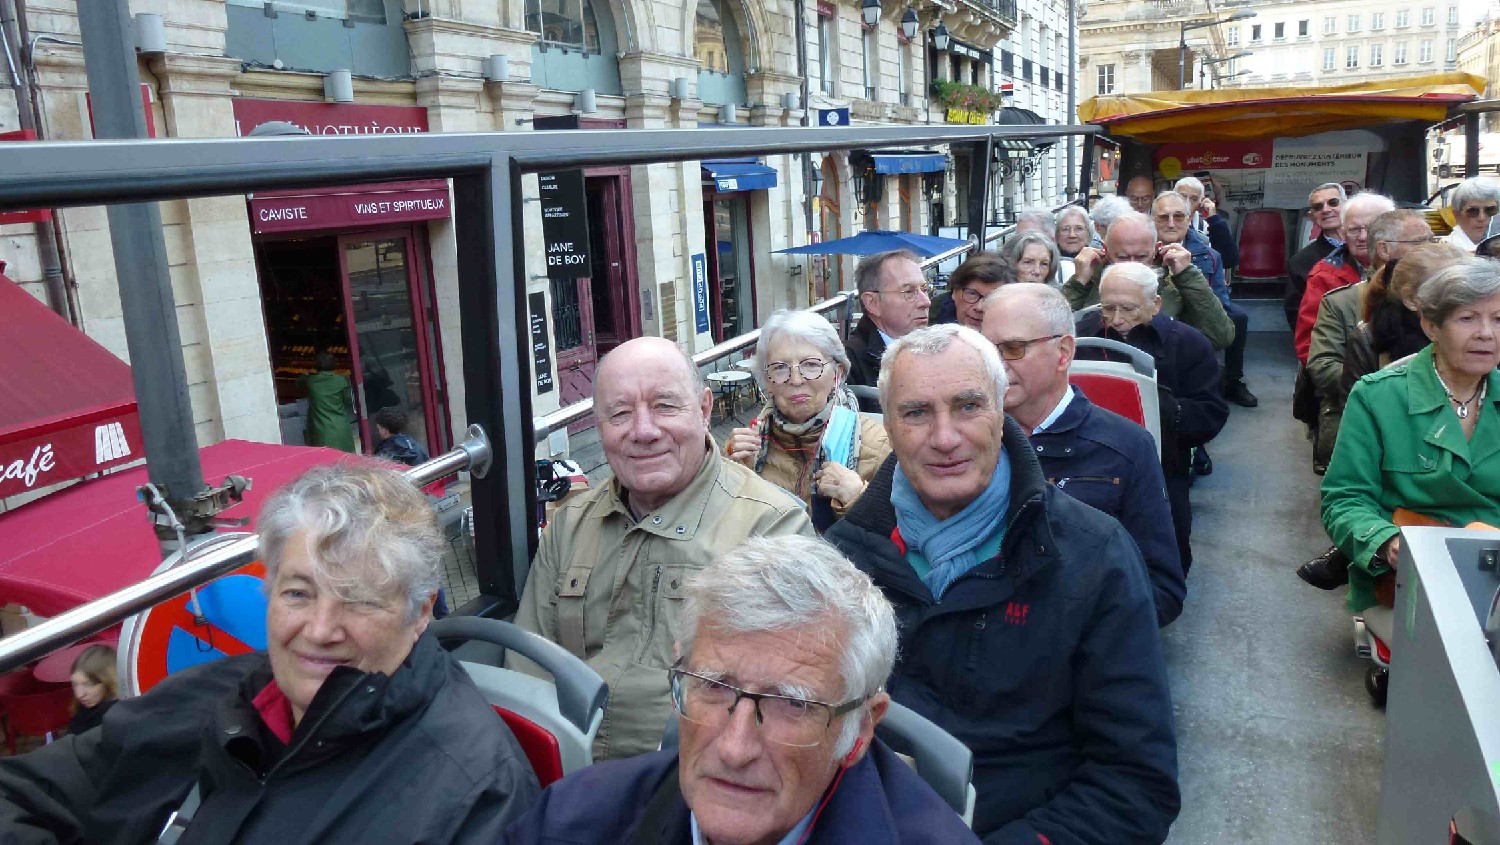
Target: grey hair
{"points": [[1107, 210], [867, 271], [1038, 216], [1460, 284], [1475, 189], [1172, 196], [933, 340], [805, 326], [1379, 203], [1017, 247], [1387, 227], [1189, 182], [367, 531], [1137, 218], [1046, 302], [804, 584], [1327, 186], [1071, 210], [1144, 277]]}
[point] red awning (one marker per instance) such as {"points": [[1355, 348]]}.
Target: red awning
{"points": [[69, 406], [94, 538], [356, 205]]}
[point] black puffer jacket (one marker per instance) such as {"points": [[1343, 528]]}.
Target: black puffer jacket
{"points": [[1045, 661], [414, 757]]}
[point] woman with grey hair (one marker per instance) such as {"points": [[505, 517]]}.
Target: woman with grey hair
{"points": [[1475, 203], [1075, 230], [1414, 446], [1105, 212], [1035, 258], [811, 439], [353, 724]]}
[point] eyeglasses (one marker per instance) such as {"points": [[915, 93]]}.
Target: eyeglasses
{"points": [[1123, 310], [1486, 210], [1015, 350], [810, 368], [910, 293], [783, 719], [1356, 230], [1175, 216], [1316, 207], [1072, 230], [970, 295]]}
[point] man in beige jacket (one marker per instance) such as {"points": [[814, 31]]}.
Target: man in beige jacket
{"points": [[607, 580]]}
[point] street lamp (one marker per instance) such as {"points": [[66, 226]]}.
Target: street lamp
{"points": [[871, 11], [940, 37], [1218, 79], [909, 24], [1242, 14]]}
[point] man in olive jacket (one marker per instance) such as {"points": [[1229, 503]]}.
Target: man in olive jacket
{"points": [[1185, 293], [607, 580]]}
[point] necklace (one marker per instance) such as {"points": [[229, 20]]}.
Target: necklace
{"points": [[1463, 407]]}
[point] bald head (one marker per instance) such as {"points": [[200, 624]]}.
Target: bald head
{"points": [[1132, 237], [1140, 191], [656, 353]]}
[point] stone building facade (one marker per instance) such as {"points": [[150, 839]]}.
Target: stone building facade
{"points": [[369, 273]]}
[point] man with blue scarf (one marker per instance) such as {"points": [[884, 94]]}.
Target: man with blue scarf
{"points": [[1027, 622]]}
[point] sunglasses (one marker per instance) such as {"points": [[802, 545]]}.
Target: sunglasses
{"points": [[1316, 207], [1476, 210]]}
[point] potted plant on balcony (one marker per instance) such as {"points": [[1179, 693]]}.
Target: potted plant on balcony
{"points": [[965, 96]]}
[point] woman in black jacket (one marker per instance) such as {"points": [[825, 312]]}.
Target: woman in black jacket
{"points": [[353, 726], [95, 689]]}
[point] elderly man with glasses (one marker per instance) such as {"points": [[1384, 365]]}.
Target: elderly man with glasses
{"points": [[1475, 203], [1028, 629], [1323, 210], [1347, 264], [1192, 408], [785, 648], [895, 297]]}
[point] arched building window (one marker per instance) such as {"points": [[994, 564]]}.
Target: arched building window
{"points": [[719, 47], [566, 23]]}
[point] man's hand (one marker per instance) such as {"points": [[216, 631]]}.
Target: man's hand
{"points": [[743, 446], [1175, 258], [1085, 262], [1207, 209]]}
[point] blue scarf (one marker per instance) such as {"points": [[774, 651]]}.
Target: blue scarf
{"points": [[950, 545]]}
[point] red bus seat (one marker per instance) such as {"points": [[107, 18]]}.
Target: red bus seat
{"points": [[1113, 393], [1127, 387], [32, 708], [1262, 245], [554, 723], [541, 747]]}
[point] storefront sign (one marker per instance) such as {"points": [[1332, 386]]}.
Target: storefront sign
{"points": [[565, 224], [329, 118], [1297, 168], [970, 51], [541, 349], [700, 291], [1173, 160], [966, 116], [68, 453], [394, 202]]}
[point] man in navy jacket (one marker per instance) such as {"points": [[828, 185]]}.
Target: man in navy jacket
{"points": [[1027, 624], [1096, 456], [1187, 379]]}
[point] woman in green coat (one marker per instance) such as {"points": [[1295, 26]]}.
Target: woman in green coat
{"points": [[1423, 435], [329, 401]]}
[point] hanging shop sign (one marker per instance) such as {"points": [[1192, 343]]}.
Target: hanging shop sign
{"points": [[954, 115], [833, 117], [541, 349], [700, 291], [320, 118], [565, 224], [969, 51]]}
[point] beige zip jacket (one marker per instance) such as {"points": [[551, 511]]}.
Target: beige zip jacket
{"points": [[609, 587]]}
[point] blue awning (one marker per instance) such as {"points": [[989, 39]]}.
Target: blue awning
{"points": [[739, 174], [909, 162]]}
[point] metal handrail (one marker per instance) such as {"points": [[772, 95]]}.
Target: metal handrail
{"points": [[474, 454]]}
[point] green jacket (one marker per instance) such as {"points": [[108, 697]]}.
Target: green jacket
{"points": [[1185, 296], [1400, 445], [329, 400], [609, 587], [1338, 316]]}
